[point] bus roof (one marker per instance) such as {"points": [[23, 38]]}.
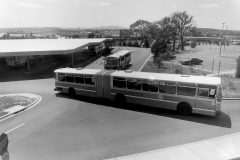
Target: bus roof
{"points": [[169, 77], [77, 70], [119, 53]]}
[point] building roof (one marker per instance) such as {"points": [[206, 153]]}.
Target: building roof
{"points": [[28, 47]]}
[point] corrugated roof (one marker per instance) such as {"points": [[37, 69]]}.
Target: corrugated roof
{"points": [[24, 47]]}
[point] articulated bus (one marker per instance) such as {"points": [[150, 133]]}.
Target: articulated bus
{"points": [[118, 60], [184, 93]]}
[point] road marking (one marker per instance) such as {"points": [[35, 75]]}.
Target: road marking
{"points": [[6, 118], [14, 128], [144, 63]]}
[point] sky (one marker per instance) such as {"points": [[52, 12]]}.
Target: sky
{"points": [[95, 13]]}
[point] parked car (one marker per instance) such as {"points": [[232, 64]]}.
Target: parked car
{"points": [[193, 61]]}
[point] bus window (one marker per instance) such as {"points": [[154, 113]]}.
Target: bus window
{"points": [[79, 79], [122, 58], [133, 84], [203, 92], [119, 82], [212, 93], [186, 91], [167, 89], [207, 86], [70, 78], [186, 84], [89, 79], [153, 87], [61, 77], [145, 86]]}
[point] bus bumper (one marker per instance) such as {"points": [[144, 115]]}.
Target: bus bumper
{"points": [[58, 89]]}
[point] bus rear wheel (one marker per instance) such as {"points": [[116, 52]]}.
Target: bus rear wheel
{"points": [[72, 92], [120, 100], [184, 109]]}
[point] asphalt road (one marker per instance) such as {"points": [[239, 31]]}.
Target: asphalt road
{"points": [[61, 127], [138, 57]]}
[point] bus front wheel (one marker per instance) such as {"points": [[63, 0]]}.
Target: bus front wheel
{"points": [[184, 109], [72, 91]]}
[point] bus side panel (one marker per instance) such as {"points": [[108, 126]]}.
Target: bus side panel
{"points": [[87, 93], [179, 98], [152, 102], [146, 98], [60, 88], [84, 90]]}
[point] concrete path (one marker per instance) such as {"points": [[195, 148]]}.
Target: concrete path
{"points": [[220, 148]]}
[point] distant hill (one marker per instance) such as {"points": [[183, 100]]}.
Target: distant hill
{"points": [[108, 27], [212, 31], [42, 30], [56, 30]]}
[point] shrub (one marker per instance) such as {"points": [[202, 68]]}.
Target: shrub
{"points": [[158, 61], [178, 70], [193, 44]]}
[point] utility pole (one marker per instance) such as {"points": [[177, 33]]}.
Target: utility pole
{"points": [[225, 40], [220, 52]]}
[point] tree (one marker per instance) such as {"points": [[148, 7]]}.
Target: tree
{"points": [[167, 30], [183, 23], [91, 35], [125, 35], [141, 28]]}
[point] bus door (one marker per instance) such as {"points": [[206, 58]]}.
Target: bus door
{"points": [[99, 82], [106, 84], [205, 98]]}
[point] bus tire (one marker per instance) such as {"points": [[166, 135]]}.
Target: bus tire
{"points": [[184, 108], [120, 99], [72, 91]]}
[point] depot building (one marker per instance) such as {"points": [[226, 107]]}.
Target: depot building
{"points": [[40, 54]]}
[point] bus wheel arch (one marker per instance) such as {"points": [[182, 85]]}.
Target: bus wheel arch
{"points": [[120, 99], [72, 91], [184, 108]]}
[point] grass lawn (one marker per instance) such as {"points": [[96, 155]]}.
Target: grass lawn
{"points": [[230, 86], [210, 56], [168, 67], [11, 101], [2, 113]]}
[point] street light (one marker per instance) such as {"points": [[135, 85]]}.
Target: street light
{"points": [[220, 52]]}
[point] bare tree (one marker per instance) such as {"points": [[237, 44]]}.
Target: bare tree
{"points": [[183, 23], [141, 28]]}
